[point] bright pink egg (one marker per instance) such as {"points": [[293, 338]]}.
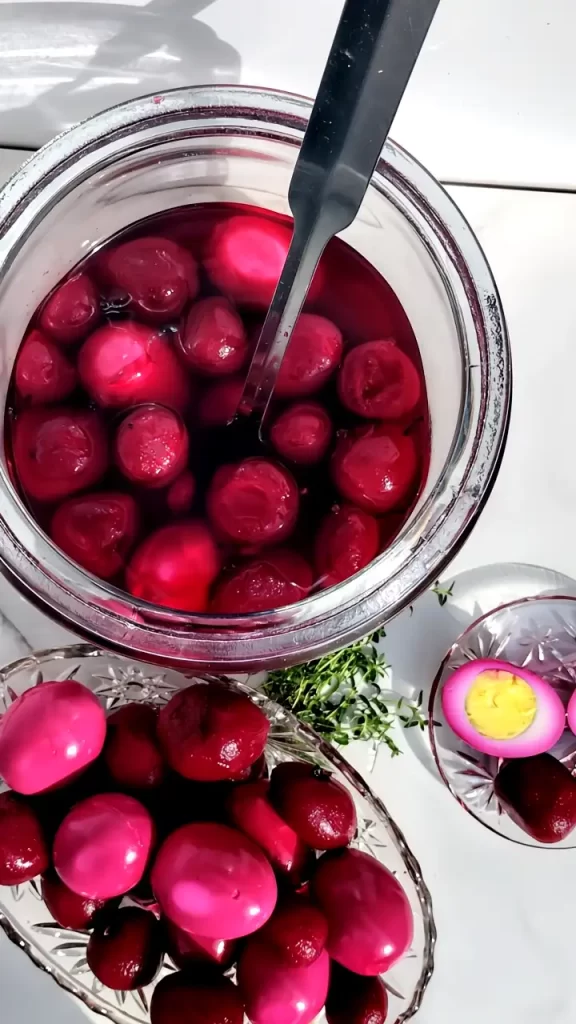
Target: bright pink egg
{"points": [[212, 338], [102, 847], [347, 541], [379, 381], [157, 275], [245, 256], [219, 402], [48, 734], [180, 494], [302, 433], [312, 356], [375, 467], [254, 502], [127, 363], [42, 372], [508, 727], [209, 733], [251, 811], [369, 916], [269, 581], [211, 880], [97, 530], [151, 446], [276, 994], [59, 451], [175, 567], [72, 311]]}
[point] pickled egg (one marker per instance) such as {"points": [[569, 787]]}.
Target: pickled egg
{"points": [[503, 710]]}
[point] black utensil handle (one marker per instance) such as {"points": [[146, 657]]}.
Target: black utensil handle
{"points": [[375, 48]]}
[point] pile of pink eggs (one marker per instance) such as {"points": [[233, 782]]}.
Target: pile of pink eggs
{"points": [[119, 425], [163, 831]]}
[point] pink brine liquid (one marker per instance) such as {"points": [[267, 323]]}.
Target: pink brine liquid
{"points": [[119, 428]]}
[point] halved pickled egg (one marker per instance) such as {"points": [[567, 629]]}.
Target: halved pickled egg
{"points": [[503, 710]]}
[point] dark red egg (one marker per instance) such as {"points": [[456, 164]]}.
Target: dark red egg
{"points": [[354, 999], [189, 950], [312, 356], [157, 276], [151, 446], [125, 949], [253, 503], [347, 540], [251, 811], [127, 363], [97, 530], [302, 433], [375, 467], [23, 850], [297, 931], [175, 567], [196, 998], [43, 373], [132, 752], [72, 310], [268, 581], [68, 909], [244, 258], [59, 451], [379, 381], [180, 494], [212, 338], [318, 808], [208, 732]]}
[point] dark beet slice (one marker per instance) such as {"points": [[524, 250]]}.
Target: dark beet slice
{"points": [[23, 850], [125, 949], [312, 356], [68, 908], [151, 446], [318, 808], [347, 540], [175, 566], [209, 733], [42, 372], [97, 530], [254, 502], [156, 275], [127, 363], [59, 451], [379, 381], [72, 310], [251, 811], [196, 998], [302, 433], [539, 794], [297, 931], [268, 581], [353, 999], [132, 752], [375, 467], [212, 339]]}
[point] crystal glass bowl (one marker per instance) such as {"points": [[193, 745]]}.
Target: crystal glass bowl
{"points": [[231, 144], [116, 681], [537, 633]]}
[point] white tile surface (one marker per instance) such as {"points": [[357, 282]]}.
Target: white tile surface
{"points": [[504, 912]]}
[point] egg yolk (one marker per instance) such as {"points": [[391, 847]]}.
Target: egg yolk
{"points": [[500, 705]]}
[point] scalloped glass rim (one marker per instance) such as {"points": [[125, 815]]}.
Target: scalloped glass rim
{"points": [[467, 773], [119, 680]]}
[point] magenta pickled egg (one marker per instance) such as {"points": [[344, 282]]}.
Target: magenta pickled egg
{"points": [[572, 712], [48, 734], [211, 880], [502, 710]]}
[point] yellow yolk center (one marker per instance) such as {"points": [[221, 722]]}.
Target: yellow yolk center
{"points": [[500, 705]]}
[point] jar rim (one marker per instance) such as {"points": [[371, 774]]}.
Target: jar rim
{"points": [[353, 608]]}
